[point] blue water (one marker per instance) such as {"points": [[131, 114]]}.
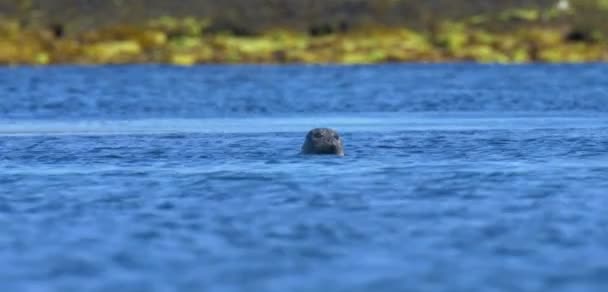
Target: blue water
{"points": [[456, 178]]}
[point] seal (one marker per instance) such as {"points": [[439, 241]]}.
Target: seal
{"points": [[323, 141]]}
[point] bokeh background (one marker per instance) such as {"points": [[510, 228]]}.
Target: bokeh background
{"points": [[188, 32]]}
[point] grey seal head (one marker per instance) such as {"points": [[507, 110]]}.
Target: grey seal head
{"points": [[323, 141]]}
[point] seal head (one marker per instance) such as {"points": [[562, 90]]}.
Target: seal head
{"points": [[323, 141]]}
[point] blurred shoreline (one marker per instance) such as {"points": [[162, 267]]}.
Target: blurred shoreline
{"points": [[553, 32]]}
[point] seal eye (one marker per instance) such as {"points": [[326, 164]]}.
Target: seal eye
{"points": [[318, 135], [336, 136]]}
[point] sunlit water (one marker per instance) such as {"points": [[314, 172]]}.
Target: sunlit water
{"points": [[152, 178]]}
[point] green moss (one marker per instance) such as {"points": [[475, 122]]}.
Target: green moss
{"points": [[452, 36]]}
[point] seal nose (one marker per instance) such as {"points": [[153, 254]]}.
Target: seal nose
{"points": [[334, 148]]}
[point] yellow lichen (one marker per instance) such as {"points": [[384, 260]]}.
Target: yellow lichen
{"points": [[112, 51], [186, 41]]}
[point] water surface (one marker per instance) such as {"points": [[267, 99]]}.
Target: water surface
{"points": [[152, 178]]}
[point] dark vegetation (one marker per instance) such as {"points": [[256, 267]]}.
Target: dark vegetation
{"points": [[343, 31]]}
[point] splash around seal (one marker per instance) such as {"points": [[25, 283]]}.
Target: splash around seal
{"points": [[323, 141]]}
